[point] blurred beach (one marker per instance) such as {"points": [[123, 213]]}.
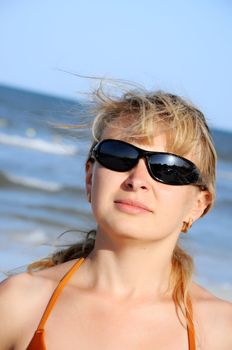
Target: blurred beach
{"points": [[42, 193]]}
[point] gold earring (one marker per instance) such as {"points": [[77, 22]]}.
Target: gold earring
{"points": [[89, 197], [186, 225]]}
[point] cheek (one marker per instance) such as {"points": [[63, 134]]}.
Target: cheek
{"points": [[102, 180], [104, 185], [175, 201], [182, 199]]}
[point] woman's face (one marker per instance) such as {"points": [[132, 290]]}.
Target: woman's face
{"points": [[132, 204]]}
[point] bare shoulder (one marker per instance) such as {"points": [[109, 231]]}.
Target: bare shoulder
{"points": [[214, 318], [19, 295]]}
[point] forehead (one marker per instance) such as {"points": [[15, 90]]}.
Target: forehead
{"points": [[157, 143]]}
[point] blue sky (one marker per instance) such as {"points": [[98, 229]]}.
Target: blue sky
{"points": [[180, 46]]}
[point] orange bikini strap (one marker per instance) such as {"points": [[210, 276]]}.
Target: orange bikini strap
{"points": [[57, 292], [190, 326]]}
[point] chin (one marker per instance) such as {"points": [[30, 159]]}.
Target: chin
{"points": [[127, 231]]}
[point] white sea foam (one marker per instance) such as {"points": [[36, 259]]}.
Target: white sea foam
{"points": [[34, 237], [34, 183], [37, 144]]}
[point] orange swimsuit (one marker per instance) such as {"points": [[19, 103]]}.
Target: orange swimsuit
{"points": [[38, 341]]}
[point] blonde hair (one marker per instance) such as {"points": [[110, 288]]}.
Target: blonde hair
{"points": [[139, 115]]}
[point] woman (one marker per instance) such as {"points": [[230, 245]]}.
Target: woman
{"points": [[150, 175]]}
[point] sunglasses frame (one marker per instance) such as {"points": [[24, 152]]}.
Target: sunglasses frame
{"points": [[144, 154]]}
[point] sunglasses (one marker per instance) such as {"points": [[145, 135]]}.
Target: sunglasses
{"points": [[164, 167]]}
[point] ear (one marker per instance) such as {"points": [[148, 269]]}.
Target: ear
{"points": [[88, 179], [203, 199]]}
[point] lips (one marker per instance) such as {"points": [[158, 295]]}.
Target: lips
{"points": [[133, 204]]}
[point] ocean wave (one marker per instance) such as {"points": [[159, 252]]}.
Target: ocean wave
{"points": [[38, 144], [35, 237], [7, 179]]}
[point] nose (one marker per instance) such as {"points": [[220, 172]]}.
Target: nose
{"points": [[138, 178]]}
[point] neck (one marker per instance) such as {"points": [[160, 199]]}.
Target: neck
{"points": [[131, 269]]}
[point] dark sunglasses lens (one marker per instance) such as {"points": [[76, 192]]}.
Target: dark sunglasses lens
{"points": [[166, 168], [117, 156], [173, 170]]}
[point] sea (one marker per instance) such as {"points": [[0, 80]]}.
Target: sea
{"points": [[43, 205]]}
